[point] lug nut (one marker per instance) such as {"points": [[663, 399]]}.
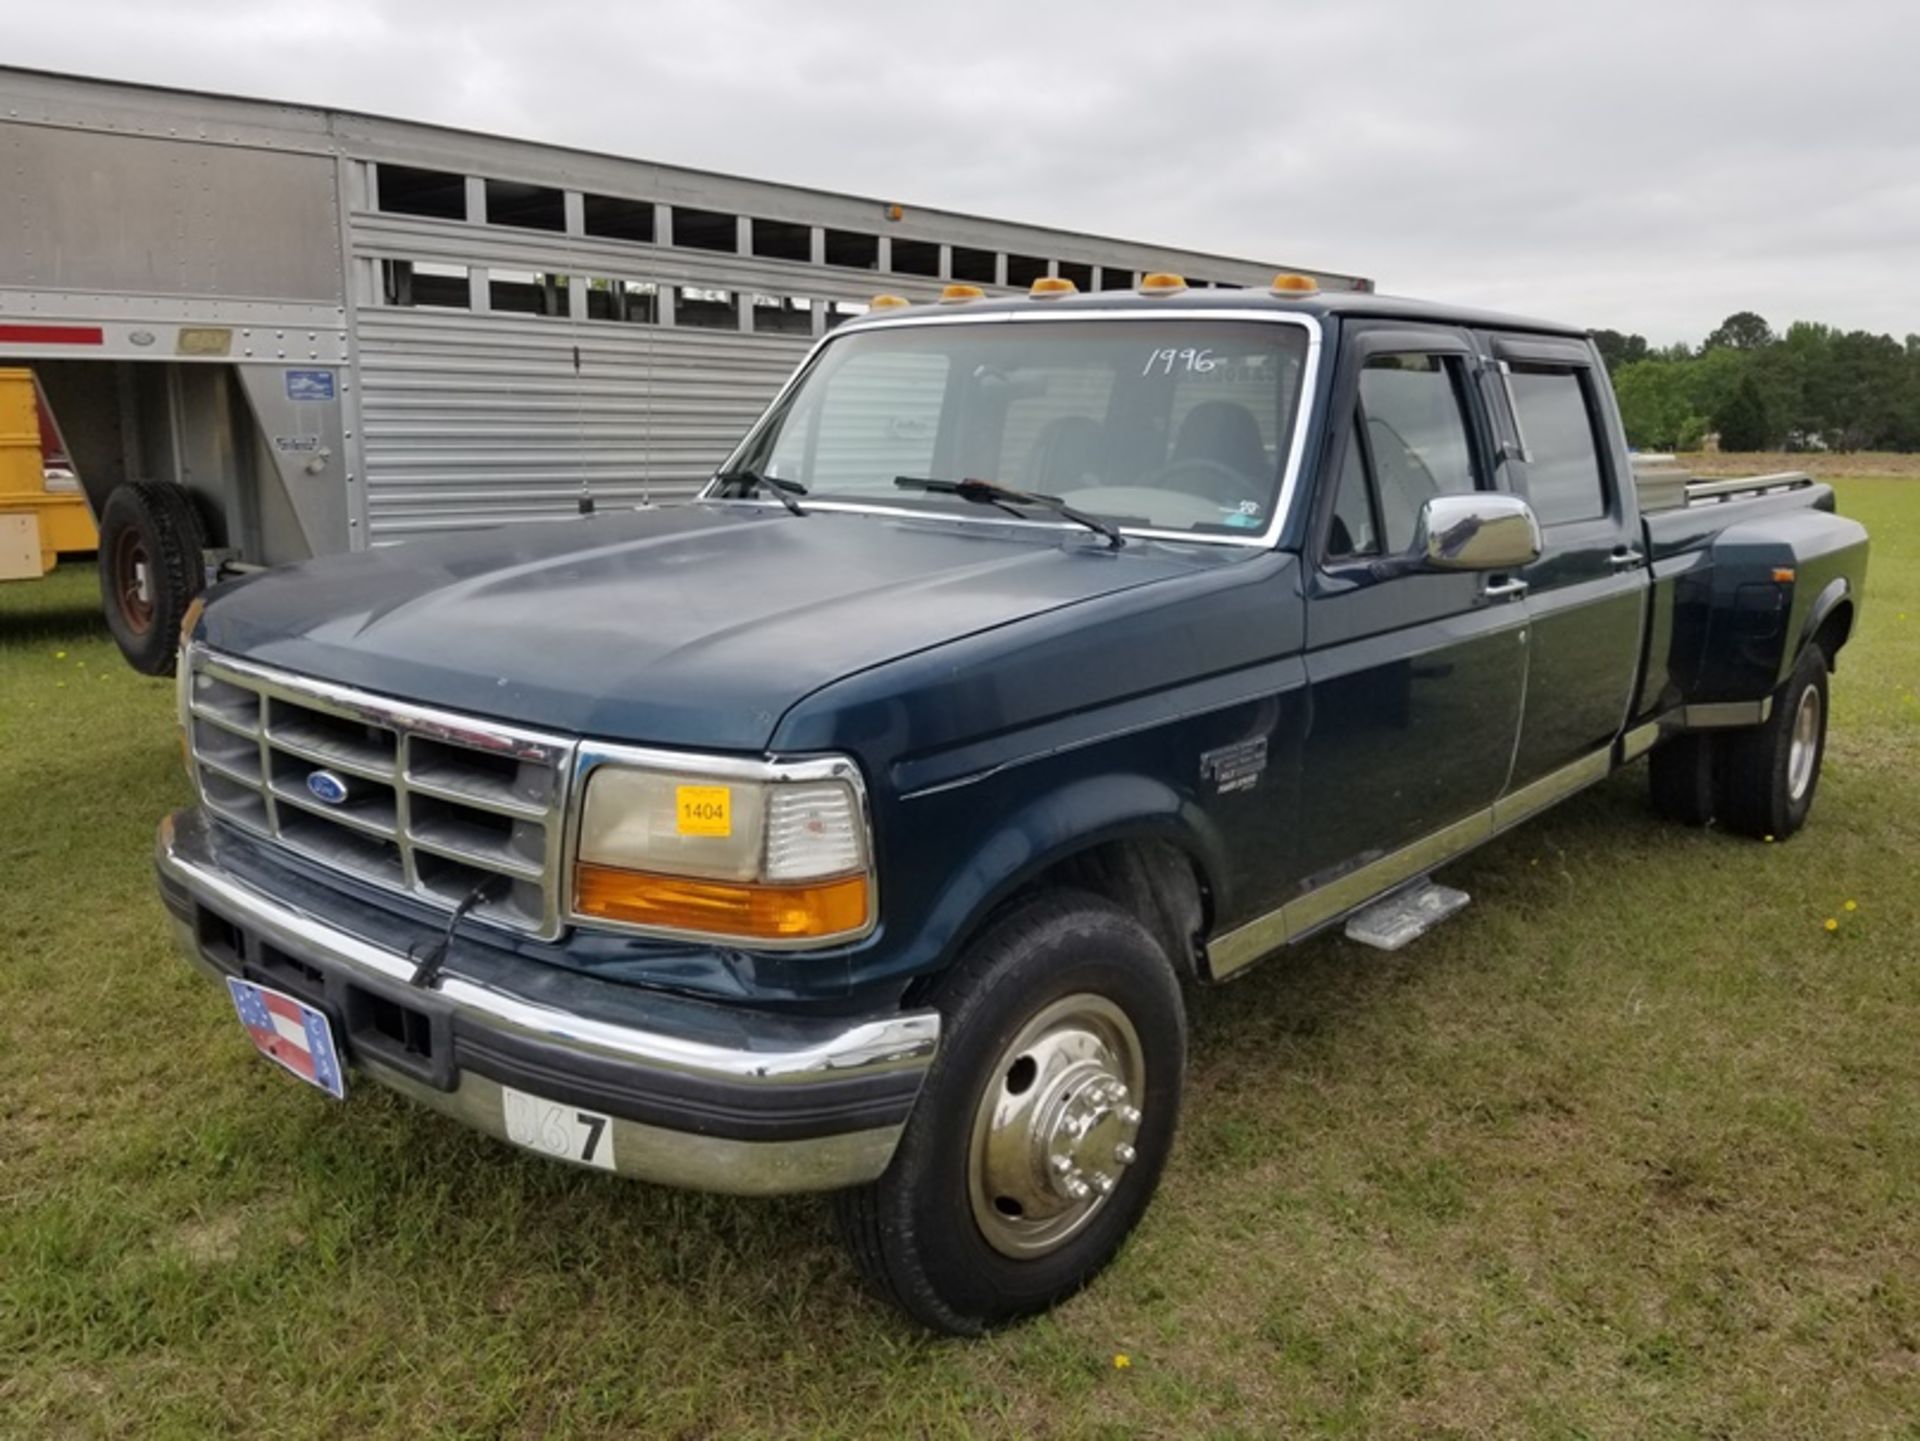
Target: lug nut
{"points": [[1077, 1189], [1062, 1165], [1130, 1114], [1102, 1183], [1125, 1154]]}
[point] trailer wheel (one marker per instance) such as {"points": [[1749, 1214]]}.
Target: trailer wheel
{"points": [[1041, 1129], [151, 541], [1772, 770]]}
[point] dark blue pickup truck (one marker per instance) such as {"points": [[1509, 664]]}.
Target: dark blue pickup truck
{"points": [[859, 825]]}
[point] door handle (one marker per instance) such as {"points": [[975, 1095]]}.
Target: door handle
{"points": [[1503, 589], [1626, 558]]}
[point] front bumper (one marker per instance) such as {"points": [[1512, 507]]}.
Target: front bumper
{"points": [[706, 1096]]}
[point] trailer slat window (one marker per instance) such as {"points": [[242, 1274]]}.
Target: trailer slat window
{"points": [[1080, 275], [526, 292], [636, 302], [853, 251], [614, 217], [782, 315], [705, 309], [974, 266], [705, 230], [1023, 270], [529, 207], [782, 240], [839, 312], [1114, 279], [424, 285], [408, 190], [916, 257]]}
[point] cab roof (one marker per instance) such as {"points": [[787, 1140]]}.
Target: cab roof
{"points": [[1359, 305]]}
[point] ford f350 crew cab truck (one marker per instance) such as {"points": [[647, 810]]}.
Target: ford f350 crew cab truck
{"points": [[858, 825]]}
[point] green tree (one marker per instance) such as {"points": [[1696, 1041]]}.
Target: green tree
{"points": [[1618, 350], [1743, 330], [1653, 403], [1743, 422]]}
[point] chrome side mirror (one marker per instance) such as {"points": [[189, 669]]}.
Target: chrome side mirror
{"points": [[1484, 530]]}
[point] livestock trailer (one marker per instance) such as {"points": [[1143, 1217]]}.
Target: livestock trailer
{"points": [[269, 331]]}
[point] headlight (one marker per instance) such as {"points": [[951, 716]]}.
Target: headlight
{"points": [[777, 854]]}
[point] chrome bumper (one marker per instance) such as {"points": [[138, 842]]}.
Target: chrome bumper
{"points": [[780, 1105]]}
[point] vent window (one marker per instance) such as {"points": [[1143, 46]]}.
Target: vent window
{"points": [[853, 251], [529, 207], [704, 309], [782, 240], [974, 266], [916, 257], [526, 292], [637, 302], [614, 217], [705, 230], [436, 194], [1023, 270], [425, 285]]}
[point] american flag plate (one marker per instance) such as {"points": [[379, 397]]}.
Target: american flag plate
{"points": [[294, 1034]]}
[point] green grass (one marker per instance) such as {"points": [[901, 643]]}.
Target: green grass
{"points": [[1631, 1148]]}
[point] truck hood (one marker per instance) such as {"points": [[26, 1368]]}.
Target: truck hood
{"points": [[695, 625]]}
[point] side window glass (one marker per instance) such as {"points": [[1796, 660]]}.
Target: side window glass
{"points": [[1417, 432], [1563, 474], [1354, 532]]}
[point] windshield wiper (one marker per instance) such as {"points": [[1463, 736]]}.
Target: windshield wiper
{"points": [[987, 492], [749, 481]]}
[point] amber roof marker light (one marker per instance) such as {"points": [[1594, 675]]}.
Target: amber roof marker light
{"points": [[1288, 283], [888, 302], [1162, 282], [961, 294], [1052, 287]]}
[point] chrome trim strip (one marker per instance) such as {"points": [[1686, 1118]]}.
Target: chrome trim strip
{"points": [[1638, 741], [1289, 480], [591, 755], [894, 1043], [1239, 948], [1719, 715]]}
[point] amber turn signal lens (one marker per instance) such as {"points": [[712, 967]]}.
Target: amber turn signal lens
{"points": [[962, 292], [1052, 285], [888, 302], [1289, 284], [1162, 282], [722, 908], [1783, 575]]}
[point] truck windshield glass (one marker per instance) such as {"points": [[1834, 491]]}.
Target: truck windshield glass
{"points": [[1152, 424]]}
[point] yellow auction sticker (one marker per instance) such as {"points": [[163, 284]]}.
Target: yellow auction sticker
{"points": [[704, 810]]}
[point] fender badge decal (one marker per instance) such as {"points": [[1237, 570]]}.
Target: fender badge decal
{"points": [[1237, 767]]}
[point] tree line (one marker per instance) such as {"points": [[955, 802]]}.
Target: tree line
{"points": [[1812, 388]]}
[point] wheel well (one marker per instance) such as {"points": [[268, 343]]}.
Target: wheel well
{"points": [[1834, 632], [1153, 880]]}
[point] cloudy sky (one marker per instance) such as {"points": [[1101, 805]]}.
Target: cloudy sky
{"points": [[1646, 166]]}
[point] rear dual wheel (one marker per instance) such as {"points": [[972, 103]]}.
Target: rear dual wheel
{"points": [[1759, 780], [1042, 1127]]}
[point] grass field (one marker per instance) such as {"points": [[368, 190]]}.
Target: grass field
{"points": [[1631, 1148]]}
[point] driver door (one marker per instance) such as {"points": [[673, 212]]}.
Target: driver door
{"points": [[1415, 681]]}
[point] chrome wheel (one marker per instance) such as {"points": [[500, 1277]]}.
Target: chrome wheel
{"points": [[1804, 745], [1054, 1130]]}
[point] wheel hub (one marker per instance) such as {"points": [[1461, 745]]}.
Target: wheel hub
{"points": [[1056, 1126], [1804, 743]]}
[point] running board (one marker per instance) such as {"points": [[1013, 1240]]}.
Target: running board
{"points": [[1406, 915]]}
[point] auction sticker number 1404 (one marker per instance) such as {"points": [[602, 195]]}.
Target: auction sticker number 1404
{"points": [[555, 1129]]}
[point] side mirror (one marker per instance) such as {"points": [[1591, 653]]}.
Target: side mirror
{"points": [[1484, 530]]}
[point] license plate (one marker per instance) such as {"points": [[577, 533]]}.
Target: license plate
{"points": [[556, 1129], [291, 1033]]}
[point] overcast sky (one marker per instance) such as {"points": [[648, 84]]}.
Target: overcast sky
{"points": [[1646, 166]]}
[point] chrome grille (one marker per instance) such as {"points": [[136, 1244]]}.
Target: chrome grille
{"points": [[427, 802]]}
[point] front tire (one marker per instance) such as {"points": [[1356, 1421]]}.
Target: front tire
{"points": [[1771, 771], [1042, 1127]]}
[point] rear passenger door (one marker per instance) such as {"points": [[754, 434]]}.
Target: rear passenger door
{"points": [[1586, 593], [1414, 679]]}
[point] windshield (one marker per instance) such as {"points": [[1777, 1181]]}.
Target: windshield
{"points": [[1156, 424]]}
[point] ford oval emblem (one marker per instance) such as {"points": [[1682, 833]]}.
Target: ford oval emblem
{"points": [[328, 787]]}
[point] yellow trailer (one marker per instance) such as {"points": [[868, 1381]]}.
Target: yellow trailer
{"points": [[43, 511]]}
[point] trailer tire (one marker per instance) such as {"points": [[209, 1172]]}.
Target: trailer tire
{"points": [[1771, 771], [1681, 776], [151, 568]]}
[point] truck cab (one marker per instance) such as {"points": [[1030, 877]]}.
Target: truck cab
{"points": [[861, 824]]}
